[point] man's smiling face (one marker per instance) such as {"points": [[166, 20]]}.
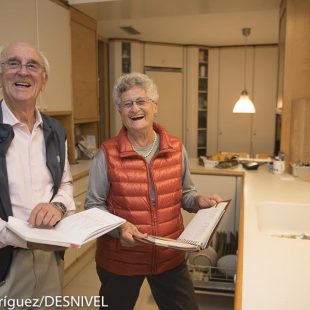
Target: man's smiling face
{"points": [[21, 84]]}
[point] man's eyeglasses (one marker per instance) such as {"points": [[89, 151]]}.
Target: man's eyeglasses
{"points": [[140, 102], [13, 64]]}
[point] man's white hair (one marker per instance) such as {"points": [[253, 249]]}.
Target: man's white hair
{"points": [[46, 64]]}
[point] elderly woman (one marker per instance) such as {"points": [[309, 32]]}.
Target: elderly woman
{"points": [[142, 175]]}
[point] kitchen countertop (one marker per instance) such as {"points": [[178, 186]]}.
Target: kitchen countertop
{"points": [[275, 272], [80, 169]]}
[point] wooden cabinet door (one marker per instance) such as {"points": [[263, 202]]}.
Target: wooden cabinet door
{"points": [[84, 68], [237, 132], [163, 55], [265, 99], [233, 129], [54, 41], [170, 107]]}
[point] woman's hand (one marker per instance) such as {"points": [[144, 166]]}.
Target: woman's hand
{"points": [[208, 201], [127, 232]]}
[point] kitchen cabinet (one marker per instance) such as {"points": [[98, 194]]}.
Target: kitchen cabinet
{"points": [[46, 25], [38, 26], [76, 258], [124, 56], [294, 69], [234, 132], [163, 55], [57, 97], [84, 76], [170, 89]]}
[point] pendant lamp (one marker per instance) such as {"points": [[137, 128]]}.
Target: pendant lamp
{"points": [[244, 104]]}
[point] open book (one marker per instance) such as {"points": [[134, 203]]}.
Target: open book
{"points": [[72, 231], [197, 234]]}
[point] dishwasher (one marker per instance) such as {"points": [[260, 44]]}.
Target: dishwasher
{"points": [[213, 270]]}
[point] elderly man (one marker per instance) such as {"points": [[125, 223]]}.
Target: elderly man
{"points": [[35, 178]]}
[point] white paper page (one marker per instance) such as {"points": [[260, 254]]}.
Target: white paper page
{"points": [[72, 230], [201, 226], [88, 224], [22, 229], [170, 243]]}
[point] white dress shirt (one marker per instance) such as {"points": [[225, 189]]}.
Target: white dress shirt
{"points": [[30, 181]]}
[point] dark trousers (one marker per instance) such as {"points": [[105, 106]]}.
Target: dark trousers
{"points": [[172, 290]]}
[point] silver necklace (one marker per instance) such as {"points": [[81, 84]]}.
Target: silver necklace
{"points": [[150, 150]]}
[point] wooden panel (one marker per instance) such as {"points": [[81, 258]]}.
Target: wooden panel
{"points": [[18, 22], [80, 186], [84, 72], [160, 55], [170, 107], [300, 131], [234, 128], [296, 62], [264, 98], [55, 32], [24, 28]]}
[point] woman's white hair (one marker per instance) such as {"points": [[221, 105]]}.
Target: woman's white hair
{"points": [[134, 79]]}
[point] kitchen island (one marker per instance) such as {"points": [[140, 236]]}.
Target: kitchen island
{"points": [[273, 273]]}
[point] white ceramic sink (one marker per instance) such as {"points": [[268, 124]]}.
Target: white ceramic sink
{"points": [[284, 219]]}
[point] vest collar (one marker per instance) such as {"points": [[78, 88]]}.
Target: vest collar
{"points": [[6, 134], [125, 146]]}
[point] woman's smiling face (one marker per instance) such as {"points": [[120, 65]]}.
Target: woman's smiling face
{"points": [[137, 117]]}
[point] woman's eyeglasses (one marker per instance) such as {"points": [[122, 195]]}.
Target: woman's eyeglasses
{"points": [[140, 102]]}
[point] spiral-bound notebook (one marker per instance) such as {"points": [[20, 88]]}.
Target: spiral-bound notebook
{"points": [[197, 234]]}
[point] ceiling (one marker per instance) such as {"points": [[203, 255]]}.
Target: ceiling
{"points": [[197, 22]]}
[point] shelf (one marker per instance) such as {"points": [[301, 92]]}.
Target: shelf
{"points": [[85, 121], [202, 102], [56, 113], [126, 57]]}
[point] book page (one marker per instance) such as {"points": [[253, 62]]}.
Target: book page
{"points": [[169, 243], [197, 233], [200, 228], [44, 236], [88, 225], [73, 230]]}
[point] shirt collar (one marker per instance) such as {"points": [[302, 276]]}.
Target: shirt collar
{"points": [[10, 118]]}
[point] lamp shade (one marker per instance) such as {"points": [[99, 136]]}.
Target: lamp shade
{"points": [[244, 104]]}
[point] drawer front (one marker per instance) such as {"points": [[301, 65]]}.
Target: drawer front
{"points": [[80, 186], [70, 257]]}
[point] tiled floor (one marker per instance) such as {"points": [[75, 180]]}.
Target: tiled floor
{"points": [[86, 283]]}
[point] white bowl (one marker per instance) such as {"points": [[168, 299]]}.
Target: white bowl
{"points": [[227, 265]]}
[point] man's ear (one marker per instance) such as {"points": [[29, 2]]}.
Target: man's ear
{"points": [[44, 83]]}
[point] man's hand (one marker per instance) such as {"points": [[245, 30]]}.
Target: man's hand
{"points": [[44, 215], [208, 201], [127, 232]]}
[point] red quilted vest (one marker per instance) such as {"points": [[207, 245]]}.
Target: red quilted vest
{"points": [[130, 198]]}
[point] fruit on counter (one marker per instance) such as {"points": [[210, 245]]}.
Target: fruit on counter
{"points": [[223, 157]]}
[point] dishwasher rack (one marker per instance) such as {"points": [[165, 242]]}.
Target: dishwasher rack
{"points": [[211, 280]]}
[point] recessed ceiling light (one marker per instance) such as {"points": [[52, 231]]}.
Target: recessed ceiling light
{"points": [[130, 30]]}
